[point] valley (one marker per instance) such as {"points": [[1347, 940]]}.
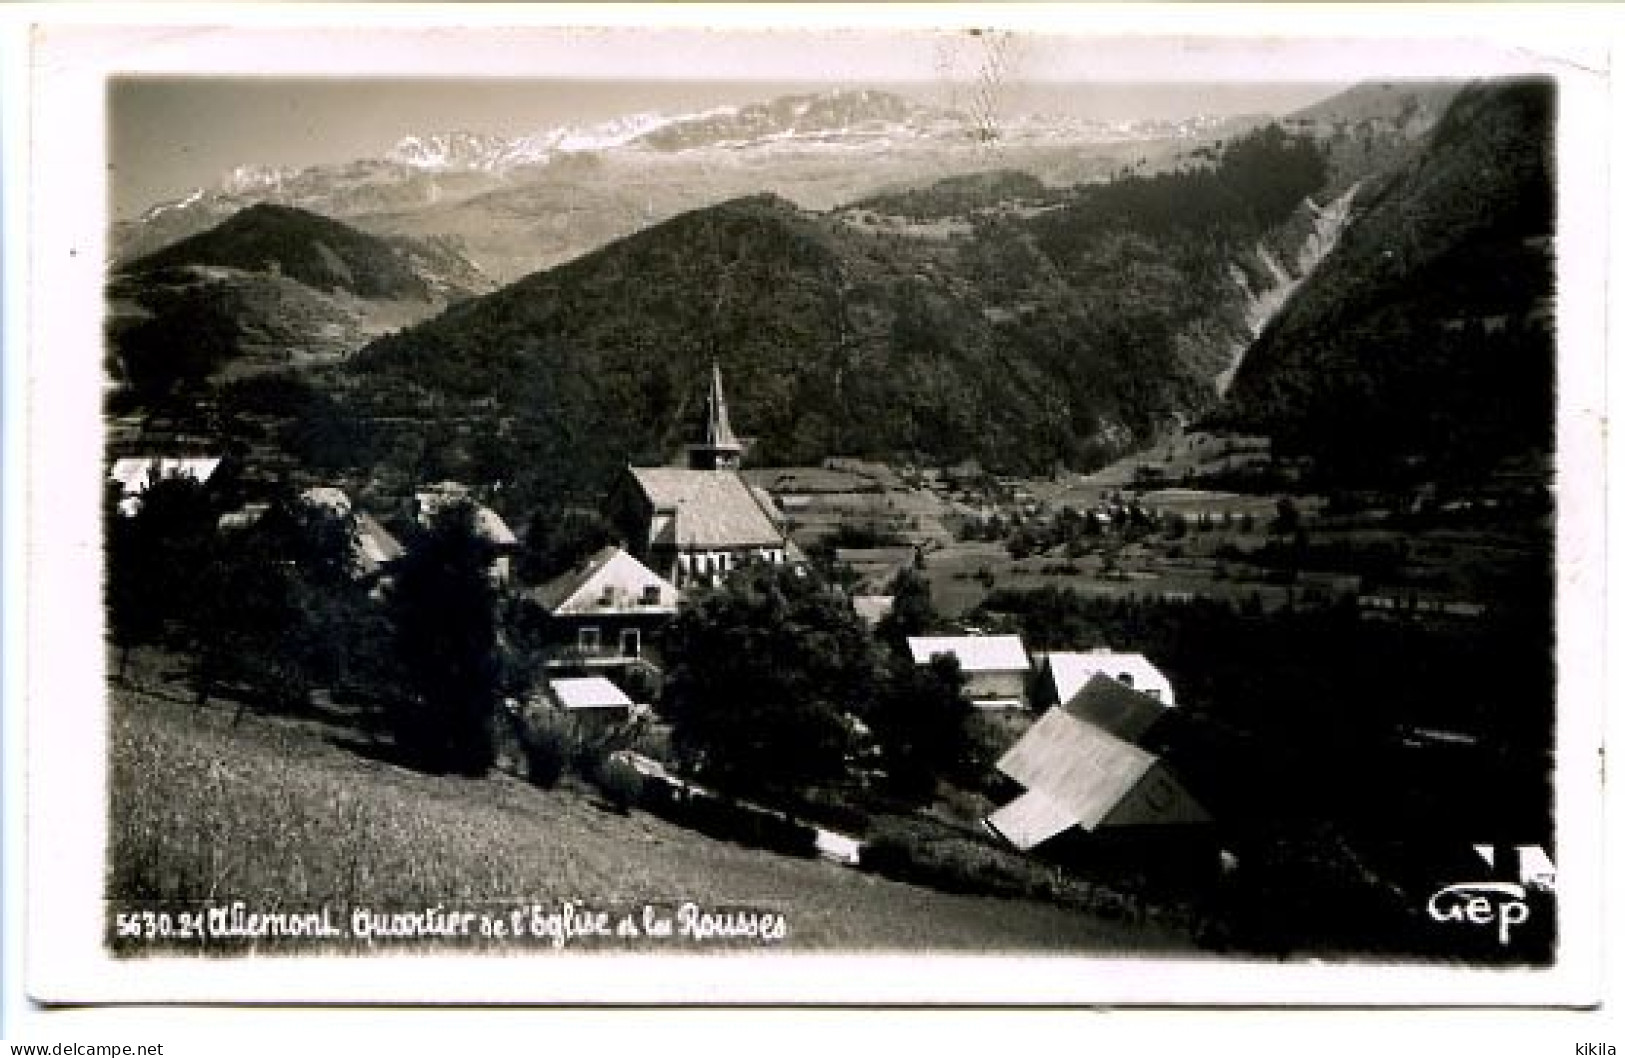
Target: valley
{"points": [[1266, 401]]}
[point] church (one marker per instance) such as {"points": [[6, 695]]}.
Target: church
{"points": [[694, 524]]}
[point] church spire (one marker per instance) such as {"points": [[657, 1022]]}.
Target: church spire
{"points": [[720, 449]]}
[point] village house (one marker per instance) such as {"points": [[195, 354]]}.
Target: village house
{"points": [[696, 524], [428, 504], [876, 568], [602, 616], [1062, 674], [135, 474], [593, 705], [1083, 767], [995, 667], [873, 609], [373, 548]]}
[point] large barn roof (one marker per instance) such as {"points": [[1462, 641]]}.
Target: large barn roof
{"points": [[975, 653], [1081, 768], [712, 508], [1030, 820]]}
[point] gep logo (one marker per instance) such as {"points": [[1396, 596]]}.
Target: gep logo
{"points": [[1480, 904]]}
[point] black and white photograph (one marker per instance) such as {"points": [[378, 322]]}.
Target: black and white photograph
{"points": [[735, 504]]}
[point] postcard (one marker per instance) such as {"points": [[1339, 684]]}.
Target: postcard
{"points": [[627, 510]]}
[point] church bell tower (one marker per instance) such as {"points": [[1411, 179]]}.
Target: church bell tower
{"points": [[720, 450]]}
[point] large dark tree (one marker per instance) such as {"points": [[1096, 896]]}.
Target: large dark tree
{"points": [[912, 612], [444, 609], [919, 721], [154, 557], [770, 664]]}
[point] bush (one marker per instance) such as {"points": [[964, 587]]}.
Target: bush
{"points": [[730, 821], [953, 863], [620, 783], [547, 750]]}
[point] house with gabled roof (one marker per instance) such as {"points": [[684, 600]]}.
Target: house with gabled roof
{"points": [[698, 523], [1085, 766], [603, 615], [428, 503], [1062, 674], [995, 667]]}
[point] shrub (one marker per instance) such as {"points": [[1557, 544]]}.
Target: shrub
{"points": [[620, 783], [550, 744]]}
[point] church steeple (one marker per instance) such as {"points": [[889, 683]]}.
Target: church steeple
{"points": [[720, 450]]}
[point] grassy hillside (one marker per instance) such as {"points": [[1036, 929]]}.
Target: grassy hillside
{"points": [[1427, 336], [275, 813]]}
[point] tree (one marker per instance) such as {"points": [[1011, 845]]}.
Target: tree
{"points": [[769, 666], [558, 538], [154, 560], [443, 606], [1287, 518], [919, 721], [912, 612]]}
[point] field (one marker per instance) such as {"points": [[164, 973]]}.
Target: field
{"points": [[285, 815]]}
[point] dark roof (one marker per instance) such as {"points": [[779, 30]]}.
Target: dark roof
{"points": [[1115, 708], [552, 594], [711, 508]]}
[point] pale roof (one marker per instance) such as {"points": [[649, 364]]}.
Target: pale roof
{"points": [[1070, 671], [975, 653], [873, 608], [326, 497], [1083, 769], [589, 692], [1030, 820], [135, 474], [493, 528], [376, 545], [582, 588], [711, 508], [488, 523]]}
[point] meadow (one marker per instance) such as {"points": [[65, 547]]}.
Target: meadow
{"points": [[210, 805]]}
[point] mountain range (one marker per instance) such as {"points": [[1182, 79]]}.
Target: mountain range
{"points": [[517, 204], [1330, 279]]}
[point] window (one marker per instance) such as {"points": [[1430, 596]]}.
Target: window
{"points": [[651, 595], [631, 643], [587, 639]]}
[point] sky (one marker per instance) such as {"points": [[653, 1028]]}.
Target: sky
{"points": [[168, 135]]}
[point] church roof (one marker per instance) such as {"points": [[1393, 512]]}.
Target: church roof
{"points": [[710, 508]]}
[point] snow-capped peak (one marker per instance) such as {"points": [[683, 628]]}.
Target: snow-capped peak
{"points": [[449, 150], [251, 179]]}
